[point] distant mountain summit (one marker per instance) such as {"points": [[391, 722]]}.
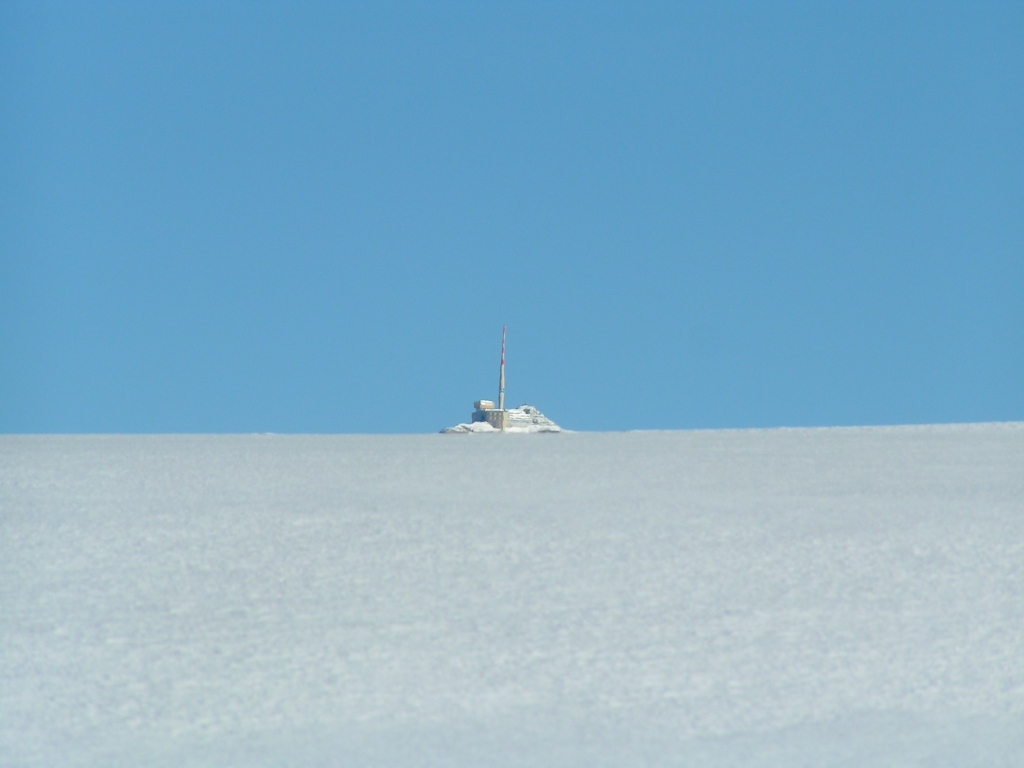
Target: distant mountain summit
{"points": [[488, 418], [523, 419]]}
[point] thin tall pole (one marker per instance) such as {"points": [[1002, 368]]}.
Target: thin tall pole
{"points": [[501, 376]]}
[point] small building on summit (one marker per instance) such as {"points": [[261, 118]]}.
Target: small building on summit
{"points": [[485, 411], [525, 417]]}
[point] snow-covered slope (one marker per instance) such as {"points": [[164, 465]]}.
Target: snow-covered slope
{"points": [[818, 597]]}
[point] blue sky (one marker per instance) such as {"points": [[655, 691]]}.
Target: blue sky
{"points": [[317, 217]]}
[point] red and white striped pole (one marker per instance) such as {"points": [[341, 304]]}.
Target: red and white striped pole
{"points": [[501, 376]]}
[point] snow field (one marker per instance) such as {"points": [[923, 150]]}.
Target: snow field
{"points": [[764, 597]]}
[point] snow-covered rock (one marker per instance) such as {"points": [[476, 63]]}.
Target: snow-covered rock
{"points": [[525, 419], [472, 426]]}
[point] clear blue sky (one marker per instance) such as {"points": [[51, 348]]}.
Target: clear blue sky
{"points": [[317, 217]]}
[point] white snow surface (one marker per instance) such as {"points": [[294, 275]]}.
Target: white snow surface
{"points": [[791, 597], [482, 427]]}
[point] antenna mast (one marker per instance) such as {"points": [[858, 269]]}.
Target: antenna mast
{"points": [[501, 376]]}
